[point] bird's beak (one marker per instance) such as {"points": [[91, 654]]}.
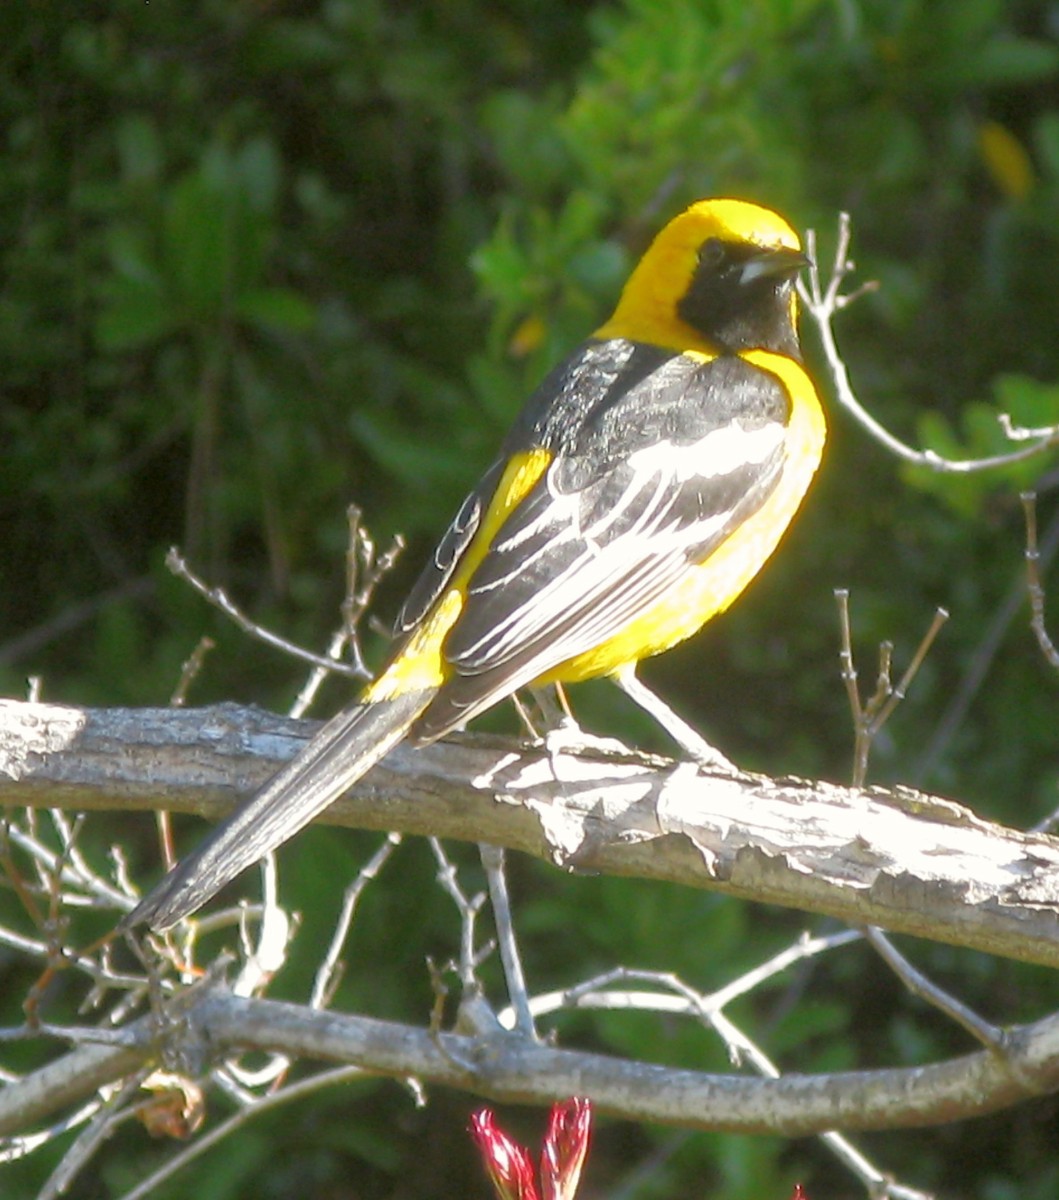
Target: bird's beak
{"points": [[774, 263]]}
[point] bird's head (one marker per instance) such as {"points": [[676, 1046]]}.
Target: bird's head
{"points": [[718, 278]]}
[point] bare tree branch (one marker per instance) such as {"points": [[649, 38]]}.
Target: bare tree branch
{"points": [[823, 302], [896, 858], [509, 1068]]}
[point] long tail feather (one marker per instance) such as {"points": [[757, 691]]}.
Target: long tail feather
{"points": [[344, 749]]}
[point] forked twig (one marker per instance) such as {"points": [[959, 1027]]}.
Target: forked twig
{"points": [[468, 907], [218, 597], [672, 995], [822, 303], [871, 715]]}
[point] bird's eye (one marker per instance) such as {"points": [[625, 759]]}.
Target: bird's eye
{"points": [[711, 252]]}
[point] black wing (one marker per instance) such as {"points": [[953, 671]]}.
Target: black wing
{"points": [[437, 573], [551, 416], [647, 480]]}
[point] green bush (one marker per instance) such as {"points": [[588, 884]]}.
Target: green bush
{"points": [[265, 260]]}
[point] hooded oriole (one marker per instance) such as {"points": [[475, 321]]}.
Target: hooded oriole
{"points": [[643, 486]]}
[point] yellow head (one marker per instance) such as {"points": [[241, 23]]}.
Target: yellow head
{"points": [[719, 277]]}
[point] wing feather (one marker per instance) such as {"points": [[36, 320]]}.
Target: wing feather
{"points": [[642, 488], [438, 571]]}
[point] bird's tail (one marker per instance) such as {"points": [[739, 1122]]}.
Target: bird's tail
{"points": [[344, 749]]}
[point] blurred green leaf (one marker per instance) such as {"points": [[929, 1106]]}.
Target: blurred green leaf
{"points": [[1027, 402], [601, 267], [218, 227], [429, 205], [135, 314], [139, 149], [258, 170], [198, 243], [1046, 136], [131, 257], [1007, 61], [275, 308]]}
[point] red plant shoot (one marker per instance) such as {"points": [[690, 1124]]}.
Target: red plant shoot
{"points": [[562, 1156]]}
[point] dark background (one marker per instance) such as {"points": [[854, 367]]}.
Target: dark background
{"points": [[264, 259]]}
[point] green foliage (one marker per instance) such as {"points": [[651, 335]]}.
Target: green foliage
{"points": [[1026, 402], [262, 261]]}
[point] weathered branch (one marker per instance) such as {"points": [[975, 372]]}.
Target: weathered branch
{"points": [[900, 859], [509, 1068]]}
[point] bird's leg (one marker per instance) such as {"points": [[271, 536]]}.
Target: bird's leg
{"points": [[524, 716], [563, 735], [677, 728], [554, 710]]}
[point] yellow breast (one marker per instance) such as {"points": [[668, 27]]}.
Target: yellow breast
{"points": [[711, 586]]}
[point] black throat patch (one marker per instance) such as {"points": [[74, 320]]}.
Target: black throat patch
{"points": [[736, 313]]}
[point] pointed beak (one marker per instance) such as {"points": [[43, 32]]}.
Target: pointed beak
{"points": [[774, 263]]}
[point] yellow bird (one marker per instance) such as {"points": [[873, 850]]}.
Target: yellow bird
{"points": [[643, 486]]}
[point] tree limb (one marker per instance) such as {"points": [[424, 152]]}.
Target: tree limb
{"points": [[505, 1067], [896, 858]]}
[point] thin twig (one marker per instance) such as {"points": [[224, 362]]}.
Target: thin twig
{"points": [[582, 994], [219, 599], [869, 718], [190, 670], [329, 971], [88, 880], [365, 570], [39, 950], [9, 833], [265, 955], [822, 304], [1022, 433], [1034, 587], [102, 1126], [493, 861], [894, 696], [707, 1008], [363, 573], [468, 908], [991, 1036], [848, 668], [980, 662], [24, 1144], [292, 1092]]}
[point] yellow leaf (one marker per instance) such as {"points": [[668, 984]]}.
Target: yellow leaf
{"points": [[527, 337], [1006, 160]]}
